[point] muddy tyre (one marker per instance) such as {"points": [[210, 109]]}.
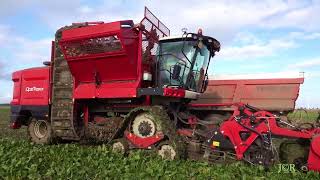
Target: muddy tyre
{"points": [[120, 146], [40, 132], [160, 122], [167, 151]]}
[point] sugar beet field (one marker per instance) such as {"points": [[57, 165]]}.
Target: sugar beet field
{"points": [[20, 159]]}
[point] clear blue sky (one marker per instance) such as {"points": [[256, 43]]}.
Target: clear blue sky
{"points": [[257, 36]]}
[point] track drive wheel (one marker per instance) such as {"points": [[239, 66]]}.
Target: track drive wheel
{"points": [[40, 131], [148, 121], [166, 151], [144, 125], [120, 146]]}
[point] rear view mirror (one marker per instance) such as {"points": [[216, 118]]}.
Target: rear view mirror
{"points": [[47, 63], [205, 84], [176, 72]]}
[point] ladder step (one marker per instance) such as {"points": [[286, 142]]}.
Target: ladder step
{"points": [[63, 86], [62, 108], [60, 68], [61, 58], [57, 98], [57, 118], [63, 100], [59, 74], [62, 81], [61, 104], [61, 125], [57, 59], [62, 91], [60, 118]]}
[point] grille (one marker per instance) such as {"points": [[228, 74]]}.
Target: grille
{"points": [[156, 30]]}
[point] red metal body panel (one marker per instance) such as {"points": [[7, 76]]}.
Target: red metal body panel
{"points": [[119, 70], [174, 92], [267, 94], [143, 142], [314, 154], [73, 34], [106, 90], [16, 78], [31, 86]]}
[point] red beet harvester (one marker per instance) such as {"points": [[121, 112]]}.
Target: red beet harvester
{"points": [[131, 85]]}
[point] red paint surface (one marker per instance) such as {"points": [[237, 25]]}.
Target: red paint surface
{"points": [[119, 72], [267, 94], [31, 86], [72, 34], [15, 125], [314, 154], [174, 92], [232, 129], [143, 142]]}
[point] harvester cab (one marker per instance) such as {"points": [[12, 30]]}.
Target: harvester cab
{"points": [[183, 61]]}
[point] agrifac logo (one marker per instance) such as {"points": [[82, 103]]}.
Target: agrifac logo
{"points": [[32, 89]]}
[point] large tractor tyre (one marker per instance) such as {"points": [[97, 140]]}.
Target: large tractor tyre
{"points": [[40, 131], [147, 121]]}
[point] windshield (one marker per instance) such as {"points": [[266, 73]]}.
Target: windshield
{"points": [[170, 54]]}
